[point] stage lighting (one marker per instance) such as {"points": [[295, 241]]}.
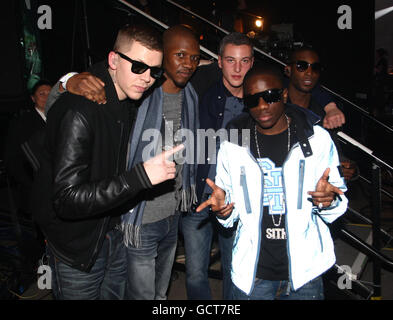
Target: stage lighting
{"points": [[382, 12], [259, 23]]}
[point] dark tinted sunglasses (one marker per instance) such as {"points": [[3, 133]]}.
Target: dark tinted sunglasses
{"points": [[140, 67], [269, 96], [302, 66]]}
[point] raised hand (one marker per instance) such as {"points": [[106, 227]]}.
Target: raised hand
{"points": [[334, 117], [324, 192], [159, 168], [87, 85], [216, 201]]}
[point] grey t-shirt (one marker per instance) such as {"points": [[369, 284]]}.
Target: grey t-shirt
{"points": [[161, 202]]}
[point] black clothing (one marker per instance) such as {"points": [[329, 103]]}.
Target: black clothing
{"points": [[210, 118], [381, 70], [301, 126], [204, 77], [319, 110], [20, 131], [273, 263], [83, 183], [17, 165]]}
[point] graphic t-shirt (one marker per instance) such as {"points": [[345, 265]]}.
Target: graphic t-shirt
{"points": [[273, 258]]}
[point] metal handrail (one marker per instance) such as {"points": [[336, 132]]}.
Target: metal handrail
{"points": [[365, 248], [366, 150], [385, 192], [205, 50], [360, 109], [358, 215], [358, 288], [223, 30], [198, 16]]}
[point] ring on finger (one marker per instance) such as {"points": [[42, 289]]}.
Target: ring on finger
{"points": [[320, 205]]}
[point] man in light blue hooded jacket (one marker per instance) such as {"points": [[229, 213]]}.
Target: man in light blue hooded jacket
{"points": [[282, 244]]}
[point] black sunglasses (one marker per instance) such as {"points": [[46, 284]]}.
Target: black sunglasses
{"points": [[140, 67], [302, 66], [269, 96]]}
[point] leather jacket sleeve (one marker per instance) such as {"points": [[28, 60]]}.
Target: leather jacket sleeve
{"points": [[76, 196]]}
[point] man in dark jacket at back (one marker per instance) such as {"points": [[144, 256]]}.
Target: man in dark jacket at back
{"points": [[20, 130], [83, 185], [304, 71]]}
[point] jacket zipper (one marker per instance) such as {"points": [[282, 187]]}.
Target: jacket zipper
{"points": [[286, 208], [260, 219], [286, 216], [300, 184], [261, 214], [286, 220], [243, 183]]}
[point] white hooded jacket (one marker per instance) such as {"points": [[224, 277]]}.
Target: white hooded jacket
{"points": [[310, 247]]}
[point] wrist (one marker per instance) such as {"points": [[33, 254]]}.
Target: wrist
{"points": [[60, 88], [330, 106], [137, 178], [222, 216], [63, 80]]}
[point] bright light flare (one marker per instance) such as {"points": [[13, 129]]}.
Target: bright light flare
{"points": [[381, 13]]}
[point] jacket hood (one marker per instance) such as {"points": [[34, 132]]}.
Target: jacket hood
{"points": [[303, 121], [303, 118]]}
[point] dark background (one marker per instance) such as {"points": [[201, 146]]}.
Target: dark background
{"points": [[347, 54], [384, 28]]}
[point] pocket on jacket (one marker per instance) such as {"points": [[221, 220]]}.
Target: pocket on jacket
{"points": [[243, 183]]}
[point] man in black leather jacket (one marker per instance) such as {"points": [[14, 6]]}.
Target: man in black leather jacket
{"points": [[83, 185]]}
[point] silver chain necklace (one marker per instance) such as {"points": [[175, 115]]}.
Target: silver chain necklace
{"points": [[259, 156], [173, 132]]}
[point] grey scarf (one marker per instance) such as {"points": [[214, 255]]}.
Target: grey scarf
{"points": [[150, 117]]}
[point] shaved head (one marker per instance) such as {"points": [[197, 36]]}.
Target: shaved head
{"points": [[181, 57], [181, 30]]}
